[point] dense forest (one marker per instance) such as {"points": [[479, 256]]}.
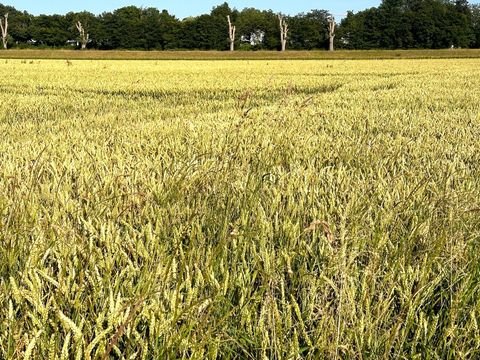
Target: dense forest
{"points": [[394, 24]]}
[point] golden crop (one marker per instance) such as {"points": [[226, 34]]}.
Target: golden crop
{"points": [[239, 209]]}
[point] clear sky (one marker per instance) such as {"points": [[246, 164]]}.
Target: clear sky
{"points": [[184, 8]]}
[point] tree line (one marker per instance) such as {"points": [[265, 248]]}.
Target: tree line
{"points": [[410, 24], [393, 24]]}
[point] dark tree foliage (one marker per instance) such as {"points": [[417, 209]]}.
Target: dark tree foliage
{"points": [[19, 24], [258, 29], [51, 30], [360, 31], [398, 24], [308, 31], [394, 24], [219, 37], [89, 22], [476, 26], [200, 33]]}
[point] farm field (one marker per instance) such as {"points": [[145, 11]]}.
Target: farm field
{"points": [[238, 55], [248, 209]]}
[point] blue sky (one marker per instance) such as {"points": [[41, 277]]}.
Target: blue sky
{"points": [[184, 8]]}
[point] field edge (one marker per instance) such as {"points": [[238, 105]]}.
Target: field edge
{"points": [[238, 55]]}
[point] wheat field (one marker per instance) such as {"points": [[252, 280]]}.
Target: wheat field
{"points": [[240, 209]]}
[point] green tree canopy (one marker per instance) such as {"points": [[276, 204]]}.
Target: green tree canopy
{"points": [[394, 24]]}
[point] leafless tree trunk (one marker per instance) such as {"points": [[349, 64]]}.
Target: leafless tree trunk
{"points": [[283, 31], [83, 37], [331, 32], [231, 33], [4, 28]]}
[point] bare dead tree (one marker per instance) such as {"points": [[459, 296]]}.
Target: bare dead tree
{"points": [[4, 28], [283, 31], [83, 37], [231, 33], [331, 32]]}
